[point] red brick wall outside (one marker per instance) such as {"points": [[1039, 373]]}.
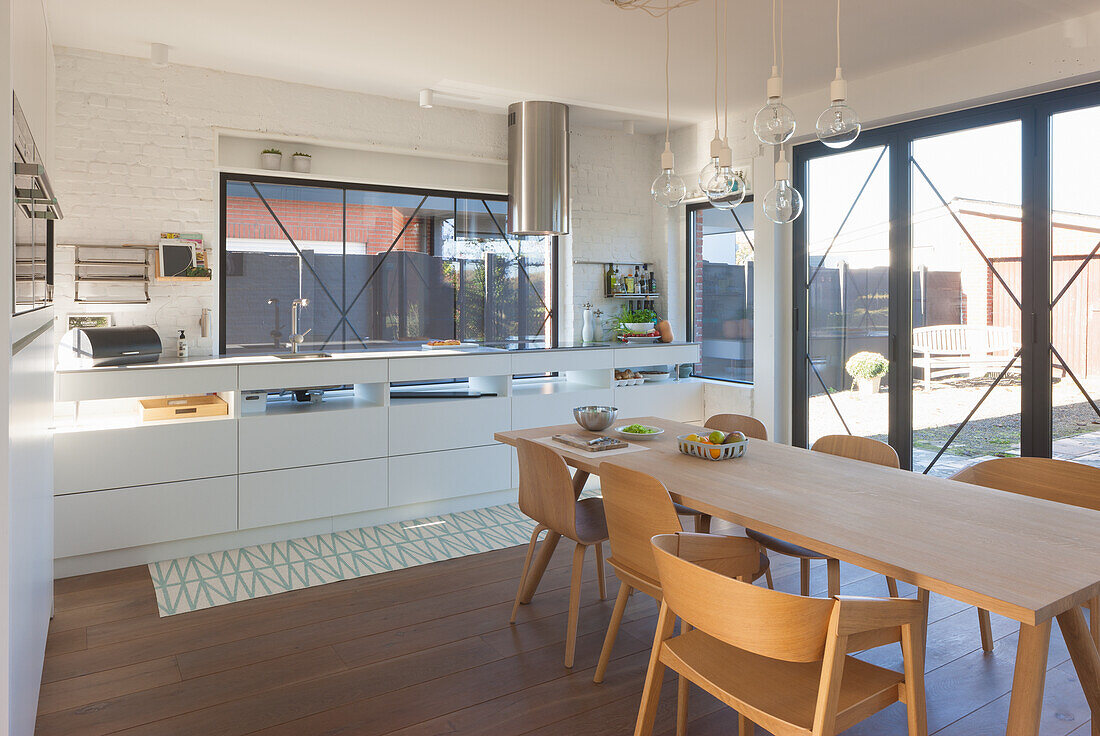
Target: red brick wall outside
{"points": [[246, 218]]}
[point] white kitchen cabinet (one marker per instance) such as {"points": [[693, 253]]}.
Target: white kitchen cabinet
{"points": [[154, 453], [128, 517], [634, 357], [308, 434], [135, 381], [315, 492], [309, 372], [435, 476], [542, 404], [678, 400], [560, 361], [442, 367], [426, 425]]}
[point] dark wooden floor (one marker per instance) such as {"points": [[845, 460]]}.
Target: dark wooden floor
{"points": [[429, 651]]}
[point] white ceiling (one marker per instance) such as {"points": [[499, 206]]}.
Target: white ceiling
{"points": [[585, 52]]}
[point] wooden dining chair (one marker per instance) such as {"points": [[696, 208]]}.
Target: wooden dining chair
{"points": [[546, 495], [752, 427], [849, 446], [1061, 481], [638, 507], [781, 661]]}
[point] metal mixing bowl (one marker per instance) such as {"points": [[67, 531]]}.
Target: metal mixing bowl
{"points": [[595, 418]]}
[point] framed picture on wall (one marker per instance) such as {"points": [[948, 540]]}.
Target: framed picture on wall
{"points": [[89, 320]]}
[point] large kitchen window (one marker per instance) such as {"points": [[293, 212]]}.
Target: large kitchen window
{"points": [[378, 266], [720, 292]]}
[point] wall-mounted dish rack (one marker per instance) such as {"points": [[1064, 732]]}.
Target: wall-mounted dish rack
{"points": [[113, 270]]}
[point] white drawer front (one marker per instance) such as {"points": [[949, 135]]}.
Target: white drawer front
{"points": [[538, 361], [681, 401], [311, 438], [307, 372], [128, 517], [439, 367], [435, 476], [426, 426], [542, 411], [134, 456], [656, 355], [319, 491], [121, 383]]}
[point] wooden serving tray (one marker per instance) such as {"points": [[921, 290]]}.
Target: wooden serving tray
{"points": [[181, 407]]}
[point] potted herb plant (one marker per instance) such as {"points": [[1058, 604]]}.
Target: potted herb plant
{"points": [[271, 158], [867, 368], [300, 162], [636, 323]]}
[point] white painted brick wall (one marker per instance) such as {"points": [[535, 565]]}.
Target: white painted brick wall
{"points": [[135, 157]]}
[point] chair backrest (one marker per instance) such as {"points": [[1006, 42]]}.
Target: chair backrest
{"points": [[858, 448], [751, 426], [637, 507], [546, 488], [756, 619], [1062, 481]]}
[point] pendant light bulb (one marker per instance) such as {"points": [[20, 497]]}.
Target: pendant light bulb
{"points": [[783, 204], [668, 188], [708, 171], [726, 188], [774, 123], [838, 126]]}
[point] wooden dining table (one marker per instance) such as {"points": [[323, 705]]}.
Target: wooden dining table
{"points": [[1028, 559]]}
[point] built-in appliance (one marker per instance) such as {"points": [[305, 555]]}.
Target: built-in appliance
{"points": [[36, 209], [90, 347], [538, 168]]}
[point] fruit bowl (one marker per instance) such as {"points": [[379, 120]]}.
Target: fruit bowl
{"points": [[711, 451]]}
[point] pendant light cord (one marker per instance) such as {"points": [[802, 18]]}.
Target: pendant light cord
{"points": [[775, 57], [725, 71], [716, 66], [668, 104], [782, 62], [837, 34]]}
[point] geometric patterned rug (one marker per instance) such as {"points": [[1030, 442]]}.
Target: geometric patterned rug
{"points": [[202, 581]]}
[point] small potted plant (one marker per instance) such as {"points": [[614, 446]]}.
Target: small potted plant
{"points": [[637, 323], [271, 158], [867, 368], [300, 162]]}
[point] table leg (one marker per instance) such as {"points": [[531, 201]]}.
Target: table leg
{"points": [[1029, 680], [1086, 660], [538, 565], [580, 477]]}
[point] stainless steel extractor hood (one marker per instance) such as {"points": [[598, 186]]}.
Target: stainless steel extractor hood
{"points": [[538, 168]]}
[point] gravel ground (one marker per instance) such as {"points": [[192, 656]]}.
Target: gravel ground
{"points": [[994, 429]]}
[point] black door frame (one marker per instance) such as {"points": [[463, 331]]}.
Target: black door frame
{"points": [[1034, 114]]}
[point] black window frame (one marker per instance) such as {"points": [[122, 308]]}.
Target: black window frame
{"points": [[689, 214], [226, 176], [1034, 113]]}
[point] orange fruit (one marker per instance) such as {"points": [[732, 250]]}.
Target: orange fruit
{"points": [[716, 453]]}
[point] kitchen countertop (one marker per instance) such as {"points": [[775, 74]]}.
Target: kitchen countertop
{"points": [[375, 354]]}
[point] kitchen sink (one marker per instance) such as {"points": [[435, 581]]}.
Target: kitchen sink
{"points": [[297, 356]]}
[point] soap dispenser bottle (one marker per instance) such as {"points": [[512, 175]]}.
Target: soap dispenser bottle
{"points": [[181, 346]]}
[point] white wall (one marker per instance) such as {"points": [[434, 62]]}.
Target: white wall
{"points": [[135, 157], [26, 498]]}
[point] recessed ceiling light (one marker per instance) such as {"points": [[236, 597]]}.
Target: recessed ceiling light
{"points": [[426, 96]]}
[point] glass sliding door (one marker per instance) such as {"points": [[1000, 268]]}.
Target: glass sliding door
{"points": [[966, 250], [846, 281], [1075, 281], [989, 293]]}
